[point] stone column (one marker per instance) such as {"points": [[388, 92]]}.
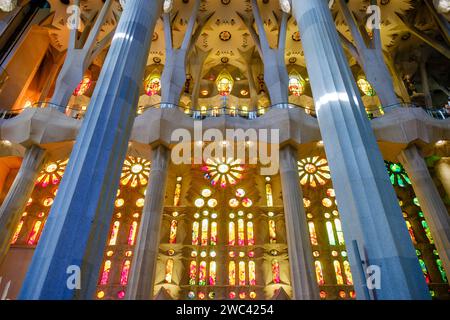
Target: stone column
{"points": [[143, 269], [18, 195], [442, 168], [430, 201], [73, 240], [374, 228], [303, 279]]}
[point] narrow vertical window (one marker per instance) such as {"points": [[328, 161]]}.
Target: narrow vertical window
{"points": [[17, 232], [425, 271], [312, 234], [212, 273], [177, 193], [195, 232], [173, 231], [204, 239], [319, 273], [272, 231], [105, 273], [411, 232], [132, 233], [214, 233], [252, 273], [348, 273], [241, 233], [193, 273], [232, 273], [32, 239], [242, 273], [125, 272], [250, 234], [330, 233], [276, 271], [169, 271], [202, 274], [338, 272], [269, 196], [340, 234], [114, 233], [427, 231], [231, 234]]}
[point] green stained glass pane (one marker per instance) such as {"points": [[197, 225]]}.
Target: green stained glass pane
{"points": [[421, 214], [392, 177], [441, 270], [427, 231], [407, 179], [396, 168], [416, 201], [400, 182]]}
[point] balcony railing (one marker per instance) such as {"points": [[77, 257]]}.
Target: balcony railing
{"points": [[214, 112]]}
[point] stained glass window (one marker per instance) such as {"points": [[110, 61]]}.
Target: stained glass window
{"points": [[241, 233], [212, 273], [312, 234], [348, 273], [231, 234], [242, 273], [32, 239], [411, 232], [424, 270], [223, 172], [319, 273], [250, 234], [296, 84], [132, 233], [193, 273], [272, 231], [427, 231], [202, 274], [17, 232], [152, 84], [340, 234], [232, 273], [441, 270], [105, 273], [214, 233], [83, 86], [397, 174], [313, 171], [169, 271], [52, 173], [204, 238], [269, 196], [125, 272], [195, 233], [114, 233], [365, 86], [330, 233], [135, 172], [173, 231], [276, 271], [338, 272], [252, 273], [177, 193]]}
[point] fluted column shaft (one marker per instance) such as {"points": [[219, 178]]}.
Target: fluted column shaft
{"points": [[375, 231], [77, 228], [442, 168], [143, 270], [430, 201], [303, 279], [18, 195]]}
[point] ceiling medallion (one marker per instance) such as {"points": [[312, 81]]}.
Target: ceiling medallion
{"points": [[155, 36], [296, 36], [292, 60], [224, 60], [225, 36], [157, 60], [225, 2]]}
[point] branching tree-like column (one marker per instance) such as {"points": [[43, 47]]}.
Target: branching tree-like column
{"points": [[303, 279], [430, 200], [197, 61], [376, 236], [18, 195], [275, 71], [248, 58], [75, 234], [443, 173], [439, 18], [81, 51], [370, 56], [174, 74]]}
